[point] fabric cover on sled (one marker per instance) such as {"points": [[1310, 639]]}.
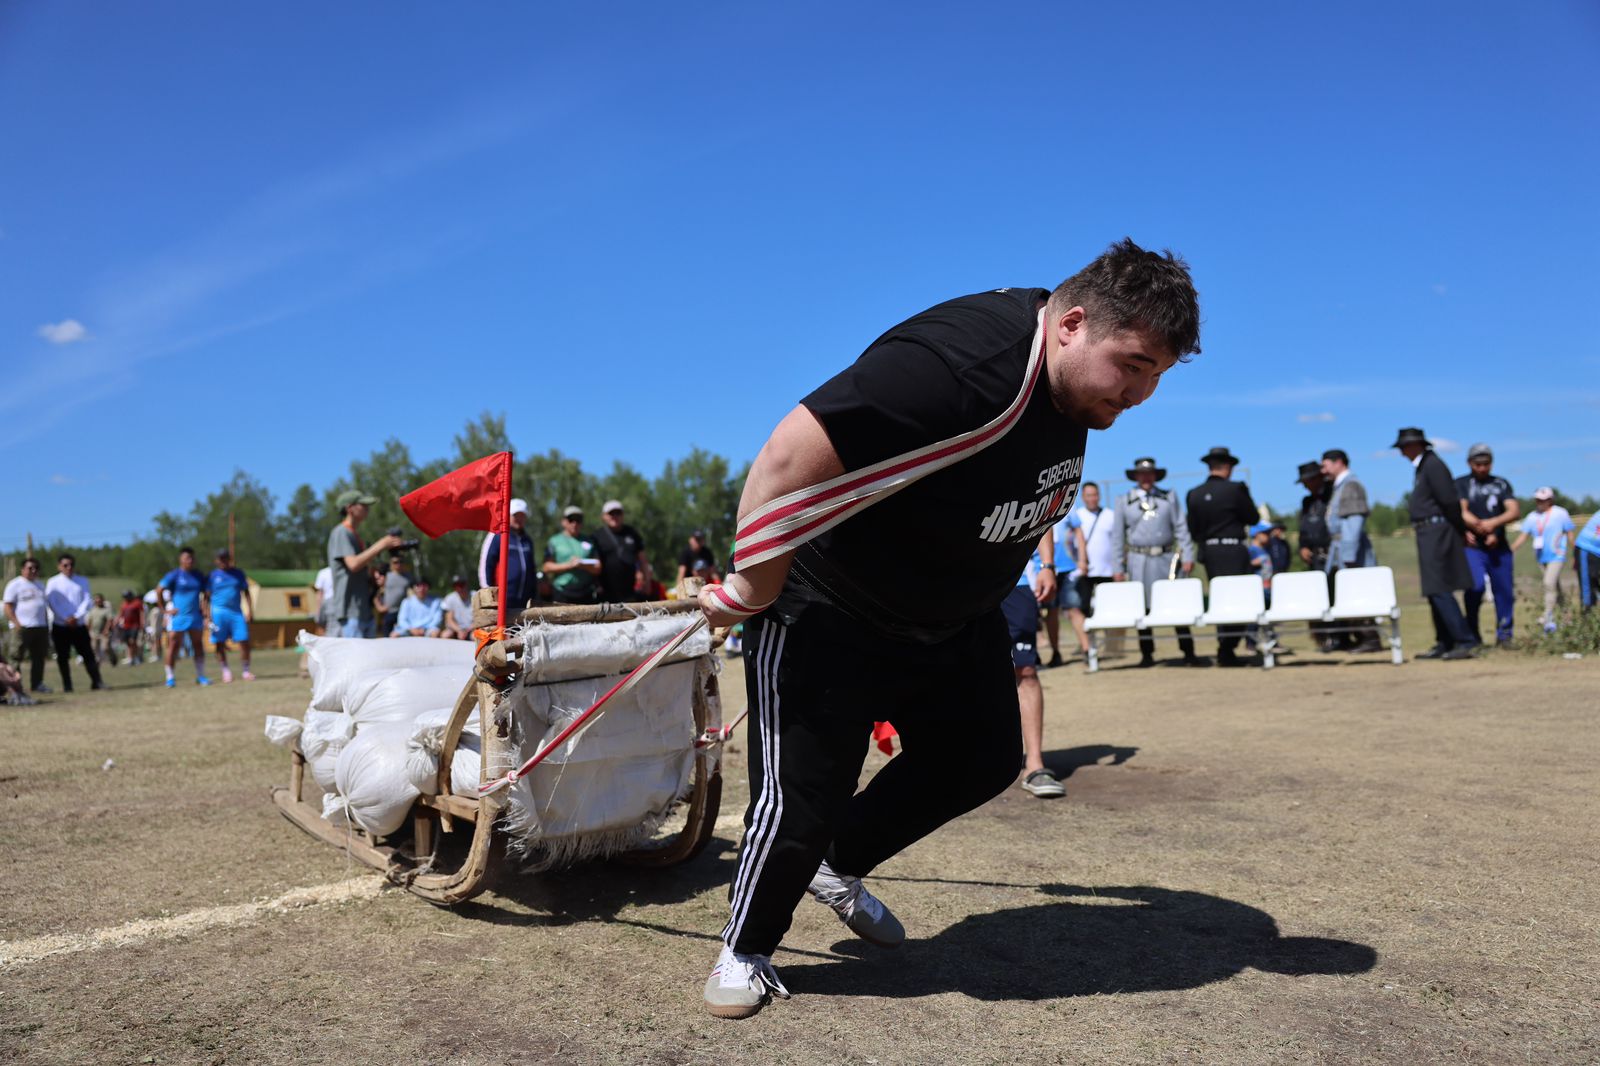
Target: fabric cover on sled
{"points": [[565, 652], [336, 663], [610, 784]]}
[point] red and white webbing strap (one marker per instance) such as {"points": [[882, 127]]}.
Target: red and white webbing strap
{"points": [[788, 522]]}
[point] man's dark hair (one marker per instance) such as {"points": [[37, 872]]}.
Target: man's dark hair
{"points": [[1130, 288], [67, 557], [1337, 455], [31, 559], [185, 550]]}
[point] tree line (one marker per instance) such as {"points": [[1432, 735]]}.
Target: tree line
{"points": [[699, 491]]}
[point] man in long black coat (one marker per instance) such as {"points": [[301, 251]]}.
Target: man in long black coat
{"points": [[1220, 514], [1441, 545]]}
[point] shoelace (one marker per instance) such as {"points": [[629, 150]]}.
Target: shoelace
{"points": [[851, 896], [753, 970]]}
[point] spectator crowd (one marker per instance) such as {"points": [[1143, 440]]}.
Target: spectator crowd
{"points": [[1467, 531]]}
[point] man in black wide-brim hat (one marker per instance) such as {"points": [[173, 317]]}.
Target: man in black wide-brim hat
{"points": [[1220, 513], [1441, 545]]}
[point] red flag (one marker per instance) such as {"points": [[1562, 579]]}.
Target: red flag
{"points": [[884, 733], [478, 496]]}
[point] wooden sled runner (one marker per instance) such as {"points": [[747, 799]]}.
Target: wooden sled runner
{"points": [[456, 843]]}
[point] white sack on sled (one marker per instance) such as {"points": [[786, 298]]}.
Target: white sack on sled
{"points": [[336, 662], [623, 771], [322, 737], [427, 741], [560, 653], [282, 731], [398, 696], [371, 778]]}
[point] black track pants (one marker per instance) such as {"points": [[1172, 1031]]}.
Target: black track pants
{"points": [[815, 687]]}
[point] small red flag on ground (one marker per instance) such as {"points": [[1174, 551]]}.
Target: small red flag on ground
{"points": [[477, 496]]}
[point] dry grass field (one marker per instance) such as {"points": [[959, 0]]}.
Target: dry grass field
{"points": [[1336, 861]]}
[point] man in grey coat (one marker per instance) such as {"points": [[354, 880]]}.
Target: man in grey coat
{"points": [[1349, 545], [1441, 545], [1147, 531]]}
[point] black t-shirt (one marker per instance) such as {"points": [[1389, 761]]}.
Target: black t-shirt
{"points": [[1486, 498], [948, 370], [692, 560], [619, 560]]}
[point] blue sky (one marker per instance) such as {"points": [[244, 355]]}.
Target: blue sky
{"points": [[270, 239]]}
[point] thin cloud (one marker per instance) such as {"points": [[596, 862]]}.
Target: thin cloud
{"points": [[61, 479], [1444, 444], [67, 331], [1440, 290], [1320, 416]]}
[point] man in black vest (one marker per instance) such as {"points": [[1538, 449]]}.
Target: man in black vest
{"points": [[1315, 536], [1441, 545], [1220, 515], [848, 629]]}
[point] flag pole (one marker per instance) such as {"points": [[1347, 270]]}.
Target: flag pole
{"points": [[504, 520]]}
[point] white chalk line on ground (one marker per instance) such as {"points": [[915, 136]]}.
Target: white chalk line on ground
{"points": [[22, 952]]}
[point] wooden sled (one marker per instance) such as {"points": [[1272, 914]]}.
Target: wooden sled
{"points": [[438, 862]]}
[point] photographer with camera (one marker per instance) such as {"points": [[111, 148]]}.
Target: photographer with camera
{"points": [[349, 558]]}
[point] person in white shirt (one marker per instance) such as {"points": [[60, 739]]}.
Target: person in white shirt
{"points": [[1095, 522], [70, 603], [457, 610], [324, 589], [26, 608]]}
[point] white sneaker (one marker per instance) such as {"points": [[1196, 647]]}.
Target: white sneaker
{"points": [[740, 985], [862, 912]]}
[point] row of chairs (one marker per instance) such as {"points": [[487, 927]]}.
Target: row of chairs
{"points": [[1360, 596]]}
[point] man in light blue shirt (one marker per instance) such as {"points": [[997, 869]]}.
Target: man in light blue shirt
{"points": [[420, 614], [1551, 529]]}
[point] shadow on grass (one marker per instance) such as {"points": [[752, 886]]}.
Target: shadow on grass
{"points": [[600, 891], [1088, 941], [1064, 761]]}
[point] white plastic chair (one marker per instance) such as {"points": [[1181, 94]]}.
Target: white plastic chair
{"points": [[1236, 600], [1177, 602], [1298, 597], [1368, 592], [1116, 605]]}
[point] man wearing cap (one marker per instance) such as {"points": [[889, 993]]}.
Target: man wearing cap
{"points": [[1435, 510], [1487, 506], [1221, 513], [697, 561], [522, 573], [457, 610], [1349, 546], [1149, 542], [348, 558], [231, 612], [625, 574], [1551, 529], [570, 561]]}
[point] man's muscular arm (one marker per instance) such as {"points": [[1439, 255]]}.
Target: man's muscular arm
{"points": [[797, 455]]}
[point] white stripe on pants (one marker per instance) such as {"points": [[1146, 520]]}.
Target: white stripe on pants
{"points": [[768, 810]]}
